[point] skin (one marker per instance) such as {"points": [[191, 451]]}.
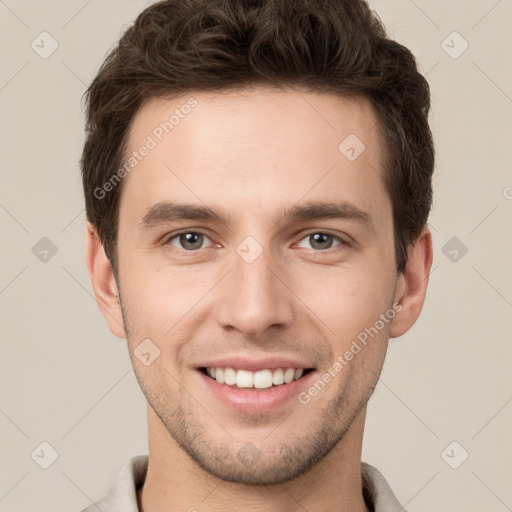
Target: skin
{"points": [[254, 152]]}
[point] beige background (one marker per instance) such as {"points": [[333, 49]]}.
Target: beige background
{"points": [[67, 381]]}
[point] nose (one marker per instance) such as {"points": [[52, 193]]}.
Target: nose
{"points": [[255, 296]]}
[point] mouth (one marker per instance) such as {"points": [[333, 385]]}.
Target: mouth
{"points": [[254, 387], [260, 380]]}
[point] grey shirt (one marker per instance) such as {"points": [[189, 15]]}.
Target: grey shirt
{"points": [[122, 496]]}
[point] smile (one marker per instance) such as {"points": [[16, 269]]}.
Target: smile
{"points": [[261, 379]]}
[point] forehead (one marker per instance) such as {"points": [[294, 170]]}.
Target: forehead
{"points": [[254, 146]]}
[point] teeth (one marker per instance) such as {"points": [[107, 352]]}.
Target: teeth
{"points": [[288, 375], [218, 374], [278, 377], [229, 376], [262, 379], [244, 379]]}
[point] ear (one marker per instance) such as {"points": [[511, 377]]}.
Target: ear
{"points": [[103, 282], [412, 284]]}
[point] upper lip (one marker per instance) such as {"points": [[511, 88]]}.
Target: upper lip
{"points": [[254, 364]]}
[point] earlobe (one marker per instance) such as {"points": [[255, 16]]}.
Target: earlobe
{"points": [[104, 283], [412, 284]]}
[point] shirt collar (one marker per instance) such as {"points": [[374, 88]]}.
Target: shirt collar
{"points": [[122, 496]]}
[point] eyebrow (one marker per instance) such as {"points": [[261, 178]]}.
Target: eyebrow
{"points": [[168, 211]]}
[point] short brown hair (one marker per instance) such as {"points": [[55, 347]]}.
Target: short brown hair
{"points": [[336, 46]]}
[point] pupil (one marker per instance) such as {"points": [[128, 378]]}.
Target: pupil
{"points": [[317, 238], [188, 239]]}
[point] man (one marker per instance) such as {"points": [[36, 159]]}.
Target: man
{"points": [[257, 177]]}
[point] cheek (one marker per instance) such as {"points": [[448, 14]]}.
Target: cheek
{"points": [[160, 301], [346, 300]]}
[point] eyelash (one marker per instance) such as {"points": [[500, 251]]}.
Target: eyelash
{"points": [[343, 243]]}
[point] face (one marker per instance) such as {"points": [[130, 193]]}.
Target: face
{"points": [[254, 248]]}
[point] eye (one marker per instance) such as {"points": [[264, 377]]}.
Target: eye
{"points": [[322, 241], [191, 241], [187, 240]]}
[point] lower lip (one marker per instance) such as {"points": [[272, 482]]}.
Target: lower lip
{"points": [[252, 401]]}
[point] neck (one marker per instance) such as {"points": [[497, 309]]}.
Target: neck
{"points": [[175, 482]]}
